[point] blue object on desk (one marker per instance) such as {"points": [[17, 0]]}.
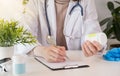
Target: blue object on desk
{"points": [[112, 55], [19, 68]]}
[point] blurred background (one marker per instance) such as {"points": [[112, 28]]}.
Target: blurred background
{"points": [[12, 8]]}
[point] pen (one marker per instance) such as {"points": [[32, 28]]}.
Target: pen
{"points": [[67, 58]]}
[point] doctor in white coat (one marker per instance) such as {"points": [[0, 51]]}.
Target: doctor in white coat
{"points": [[67, 28]]}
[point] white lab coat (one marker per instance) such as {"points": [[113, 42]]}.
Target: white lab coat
{"points": [[75, 25]]}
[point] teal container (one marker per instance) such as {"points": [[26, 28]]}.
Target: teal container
{"points": [[19, 68]]}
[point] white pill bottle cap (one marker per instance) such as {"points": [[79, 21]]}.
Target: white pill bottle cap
{"points": [[99, 37]]}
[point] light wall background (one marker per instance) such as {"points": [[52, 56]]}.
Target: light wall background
{"points": [[102, 9], [10, 9], [13, 8]]}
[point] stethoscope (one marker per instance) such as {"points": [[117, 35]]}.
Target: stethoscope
{"points": [[50, 38]]}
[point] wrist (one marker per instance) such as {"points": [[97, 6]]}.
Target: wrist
{"points": [[38, 51]]}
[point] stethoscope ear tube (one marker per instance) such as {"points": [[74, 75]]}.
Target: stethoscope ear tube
{"points": [[77, 4], [48, 23]]}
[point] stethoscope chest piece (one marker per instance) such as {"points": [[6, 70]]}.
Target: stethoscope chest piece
{"points": [[50, 40]]}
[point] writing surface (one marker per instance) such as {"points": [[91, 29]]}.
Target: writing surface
{"points": [[68, 64]]}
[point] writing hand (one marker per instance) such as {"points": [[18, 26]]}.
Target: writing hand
{"points": [[55, 54]]}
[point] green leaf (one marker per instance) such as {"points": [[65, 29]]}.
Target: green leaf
{"points": [[25, 2], [110, 6], [11, 34], [116, 30], [117, 10], [117, 2], [110, 24], [105, 21], [109, 32]]}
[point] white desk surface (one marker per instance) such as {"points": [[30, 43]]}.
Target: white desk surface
{"points": [[98, 67]]}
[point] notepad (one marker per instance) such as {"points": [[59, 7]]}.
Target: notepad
{"points": [[68, 64]]}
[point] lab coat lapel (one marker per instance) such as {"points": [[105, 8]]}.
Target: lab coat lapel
{"points": [[67, 18], [52, 16], [73, 27], [70, 20]]}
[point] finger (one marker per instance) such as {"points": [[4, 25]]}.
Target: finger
{"points": [[91, 47], [83, 49], [61, 47], [97, 45], [87, 50], [63, 50], [58, 51], [52, 55], [54, 59], [56, 56]]}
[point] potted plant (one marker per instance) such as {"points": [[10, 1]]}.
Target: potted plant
{"points": [[11, 34], [112, 24]]}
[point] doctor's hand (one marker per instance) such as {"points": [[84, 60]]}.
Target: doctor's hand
{"points": [[91, 48], [52, 53]]}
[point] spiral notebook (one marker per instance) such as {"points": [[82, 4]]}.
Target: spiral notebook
{"points": [[68, 64]]}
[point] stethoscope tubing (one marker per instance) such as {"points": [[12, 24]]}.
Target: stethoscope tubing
{"points": [[48, 23], [77, 4], [72, 9]]}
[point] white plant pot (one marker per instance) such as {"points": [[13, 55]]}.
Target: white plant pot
{"points": [[6, 52]]}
